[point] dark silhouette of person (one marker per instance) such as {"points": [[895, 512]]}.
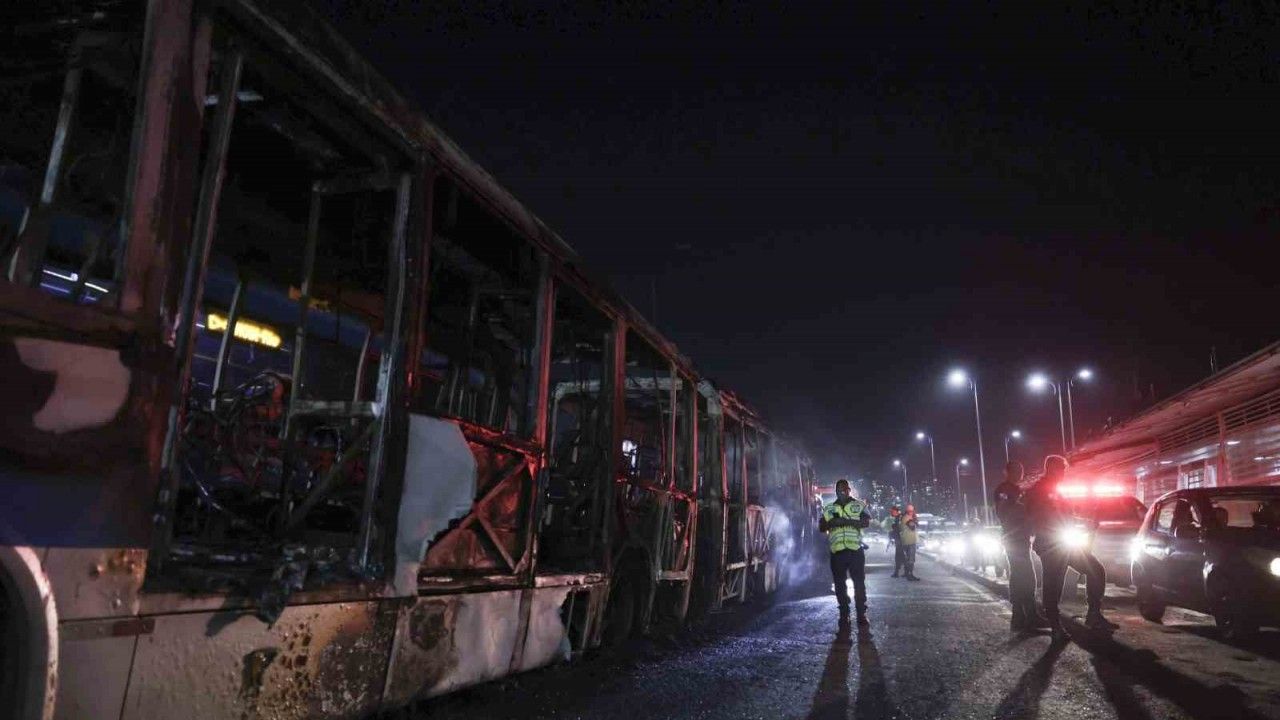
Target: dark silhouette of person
{"points": [[1048, 521], [1015, 535]]}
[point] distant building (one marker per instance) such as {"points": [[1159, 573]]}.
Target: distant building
{"points": [[930, 497], [1224, 430], [882, 494]]}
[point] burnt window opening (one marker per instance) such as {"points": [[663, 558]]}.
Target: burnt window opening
{"points": [[751, 452], [580, 419], [67, 109], [735, 510], [481, 311], [646, 433], [684, 426], [733, 459], [282, 406], [785, 491], [709, 538], [710, 478]]}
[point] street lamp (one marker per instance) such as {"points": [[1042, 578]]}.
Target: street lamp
{"points": [[960, 493], [906, 488], [1040, 382], [1013, 435], [933, 462], [1086, 375], [958, 379]]}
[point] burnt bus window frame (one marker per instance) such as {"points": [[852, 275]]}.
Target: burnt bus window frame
{"points": [[685, 432], [440, 394], [733, 435], [645, 363], [146, 122], [591, 555], [394, 168]]}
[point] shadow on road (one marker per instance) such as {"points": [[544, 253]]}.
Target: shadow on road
{"points": [[1266, 644], [832, 699], [831, 702], [873, 691], [1124, 665], [1023, 701], [1118, 667], [1118, 687]]}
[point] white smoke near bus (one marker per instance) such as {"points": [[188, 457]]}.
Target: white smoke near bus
{"points": [[790, 551]]}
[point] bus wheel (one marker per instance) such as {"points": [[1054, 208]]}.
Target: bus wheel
{"points": [[28, 639]]}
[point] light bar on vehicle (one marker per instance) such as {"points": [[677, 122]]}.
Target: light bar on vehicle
{"points": [[1098, 490]]}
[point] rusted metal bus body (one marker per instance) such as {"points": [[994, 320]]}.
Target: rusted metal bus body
{"points": [[306, 416]]}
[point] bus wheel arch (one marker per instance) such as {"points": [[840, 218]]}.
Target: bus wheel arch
{"points": [[28, 613]]}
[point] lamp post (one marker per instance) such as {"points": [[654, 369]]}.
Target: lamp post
{"points": [[906, 488], [933, 461], [959, 378], [1013, 435], [1086, 375], [959, 492], [1039, 382]]}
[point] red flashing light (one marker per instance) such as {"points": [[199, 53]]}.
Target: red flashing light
{"points": [[1098, 490]]}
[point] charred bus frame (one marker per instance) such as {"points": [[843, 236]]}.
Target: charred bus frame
{"points": [[340, 428]]}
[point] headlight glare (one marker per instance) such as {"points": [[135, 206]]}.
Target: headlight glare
{"points": [[1075, 538], [986, 544], [1275, 567]]}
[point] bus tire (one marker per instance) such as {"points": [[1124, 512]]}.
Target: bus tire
{"points": [[29, 627]]}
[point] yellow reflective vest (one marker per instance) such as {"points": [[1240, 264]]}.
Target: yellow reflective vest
{"points": [[844, 538]]}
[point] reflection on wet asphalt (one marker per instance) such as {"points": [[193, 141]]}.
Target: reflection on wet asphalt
{"points": [[939, 648]]}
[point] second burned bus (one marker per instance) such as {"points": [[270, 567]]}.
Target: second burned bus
{"points": [[306, 416]]}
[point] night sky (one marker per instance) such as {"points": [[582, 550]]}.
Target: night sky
{"points": [[826, 210]]}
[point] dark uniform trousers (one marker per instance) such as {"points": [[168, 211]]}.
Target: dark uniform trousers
{"points": [[850, 564], [1022, 575], [908, 553], [1056, 560]]}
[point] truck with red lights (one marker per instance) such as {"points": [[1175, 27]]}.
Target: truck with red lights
{"points": [[1108, 518]]}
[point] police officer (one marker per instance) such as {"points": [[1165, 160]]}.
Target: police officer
{"points": [[1048, 519], [843, 521], [1015, 535]]}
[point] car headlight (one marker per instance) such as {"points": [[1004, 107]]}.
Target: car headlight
{"points": [[1075, 538], [1275, 567], [986, 544]]}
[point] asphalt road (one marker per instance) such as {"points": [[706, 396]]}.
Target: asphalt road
{"points": [[939, 648]]}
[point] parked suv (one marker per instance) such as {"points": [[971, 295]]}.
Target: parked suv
{"points": [[1215, 550]]}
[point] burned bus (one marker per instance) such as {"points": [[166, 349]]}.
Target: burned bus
{"points": [[304, 414]]}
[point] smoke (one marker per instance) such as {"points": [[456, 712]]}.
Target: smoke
{"points": [[792, 547]]}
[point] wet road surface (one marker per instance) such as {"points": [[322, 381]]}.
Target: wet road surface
{"points": [[939, 648]]}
